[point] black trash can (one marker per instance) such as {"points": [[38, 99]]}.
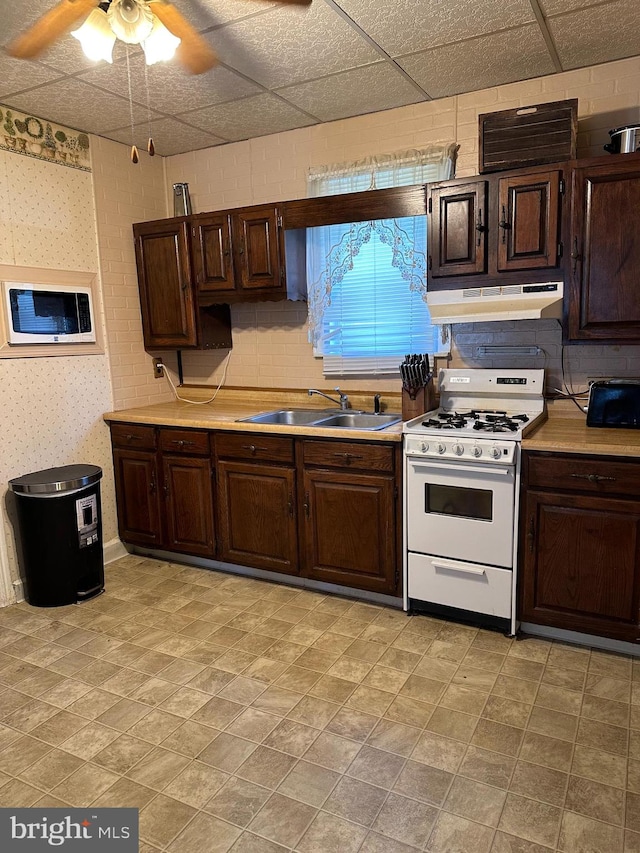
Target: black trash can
{"points": [[60, 527]]}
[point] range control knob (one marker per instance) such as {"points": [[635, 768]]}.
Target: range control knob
{"points": [[477, 451], [458, 449], [424, 447], [441, 447], [496, 452]]}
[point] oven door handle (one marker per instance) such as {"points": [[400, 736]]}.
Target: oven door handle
{"points": [[463, 568], [468, 469]]}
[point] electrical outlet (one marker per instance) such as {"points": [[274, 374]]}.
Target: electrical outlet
{"points": [[158, 368]]}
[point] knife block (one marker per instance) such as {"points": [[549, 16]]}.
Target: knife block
{"points": [[424, 400]]}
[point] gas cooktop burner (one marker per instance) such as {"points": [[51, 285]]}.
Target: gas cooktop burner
{"points": [[486, 420]]}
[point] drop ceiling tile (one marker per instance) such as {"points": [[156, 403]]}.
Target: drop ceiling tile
{"points": [[480, 63], [599, 34], [76, 104], [172, 90], [256, 116], [210, 13], [407, 26], [557, 7], [17, 74], [361, 90], [169, 137], [291, 44]]}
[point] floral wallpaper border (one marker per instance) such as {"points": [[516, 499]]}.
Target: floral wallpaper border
{"points": [[44, 140]]}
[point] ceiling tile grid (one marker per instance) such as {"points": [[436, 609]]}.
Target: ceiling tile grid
{"points": [[285, 66]]}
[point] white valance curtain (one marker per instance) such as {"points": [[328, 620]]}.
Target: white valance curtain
{"points": [[380, 312]]}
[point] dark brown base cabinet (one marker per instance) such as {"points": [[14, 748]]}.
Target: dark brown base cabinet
{"points": [[327, 510], [580, 544], [163, 490], [349, 504], [256, 501]]}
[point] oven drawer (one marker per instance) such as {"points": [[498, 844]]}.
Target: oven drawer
{"points": [[467, 586]]}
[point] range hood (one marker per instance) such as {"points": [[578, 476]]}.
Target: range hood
{"points": [[505, 302]]}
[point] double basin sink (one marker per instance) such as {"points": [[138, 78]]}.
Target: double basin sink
{"points": [[324, 418]]}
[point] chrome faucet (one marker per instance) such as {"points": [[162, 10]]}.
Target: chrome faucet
{"points": [[343, 402]]}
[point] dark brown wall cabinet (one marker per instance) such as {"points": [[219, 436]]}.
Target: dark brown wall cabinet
{"points": [[239, 255], [481, 228], [604, 288], [163, 488], [326, 510], [580, 544], [171, 317]]}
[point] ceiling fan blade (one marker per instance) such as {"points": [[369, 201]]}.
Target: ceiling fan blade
{"points": [[193, 51], [49, 27]]}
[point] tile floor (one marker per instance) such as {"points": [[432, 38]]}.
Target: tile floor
{"points": [[245, 716]]}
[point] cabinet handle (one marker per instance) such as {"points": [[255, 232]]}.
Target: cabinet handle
{"points": [[531, 535], [131, 437], [480, 228], [290, 506], [165, 489], [504, 224], [241, 249], [182, 443], [152, 487], [592, 478], [347, 456], [252, 448], [306, 504], [575, 255]]}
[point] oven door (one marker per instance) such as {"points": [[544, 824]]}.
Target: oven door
{"points": [[461, 512]]}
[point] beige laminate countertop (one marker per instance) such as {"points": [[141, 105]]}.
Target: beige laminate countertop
{"points": [[223, 414], [572, 435]]}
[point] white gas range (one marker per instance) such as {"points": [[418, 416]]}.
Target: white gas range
{"points": [[462, 477]]}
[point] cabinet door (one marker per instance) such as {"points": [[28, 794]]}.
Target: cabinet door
{"points": [[256, 249], [581, 559], [188, 505], [458, 229], [164, 279], [604, 289], [211, 252], [349, 529], [528, 224], [136, 476], [257, 516]]}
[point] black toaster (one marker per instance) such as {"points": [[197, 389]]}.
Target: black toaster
{"points": [[614, 403]]}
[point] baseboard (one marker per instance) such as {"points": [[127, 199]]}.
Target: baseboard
{"points": [[113, 550], [580, 639]]}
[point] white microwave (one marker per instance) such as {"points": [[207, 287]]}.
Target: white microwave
{"points": [[48, 313]]}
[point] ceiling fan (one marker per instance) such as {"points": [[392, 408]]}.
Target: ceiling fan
{"points": [[132, 21]]}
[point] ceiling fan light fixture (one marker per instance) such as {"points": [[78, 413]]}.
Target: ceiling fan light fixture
{"points": [[130, 20], [96, 37], [160, 45]]}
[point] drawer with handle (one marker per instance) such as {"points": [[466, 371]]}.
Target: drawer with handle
{"points": [[254, 445], [185, 441], [349, 454], [583, 473], [137, 436], [469, 586]]}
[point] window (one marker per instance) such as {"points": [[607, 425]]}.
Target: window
{"points": [[367, 280]]}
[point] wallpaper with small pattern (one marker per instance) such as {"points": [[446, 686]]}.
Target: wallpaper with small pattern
{"points": [[51, 407]]}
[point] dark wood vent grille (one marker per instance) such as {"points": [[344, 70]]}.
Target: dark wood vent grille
{"points": [[528, 136]]}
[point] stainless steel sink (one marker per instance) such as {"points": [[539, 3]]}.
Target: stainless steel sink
{"points": [[289, 417], [326, 418], [358, 420]]}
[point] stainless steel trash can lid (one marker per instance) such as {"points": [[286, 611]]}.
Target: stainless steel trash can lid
{"points": [[54, 480]]}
